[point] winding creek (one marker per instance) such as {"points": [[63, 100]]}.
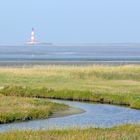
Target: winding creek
{"points": [[89, 115]]}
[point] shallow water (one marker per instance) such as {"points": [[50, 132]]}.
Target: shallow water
{"points": [[95, 115], [129, 52]]}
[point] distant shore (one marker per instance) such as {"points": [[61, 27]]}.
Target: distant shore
{"points": [[45, 63]]}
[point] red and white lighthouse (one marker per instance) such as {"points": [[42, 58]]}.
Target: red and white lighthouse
{"points": [[32, 39]]}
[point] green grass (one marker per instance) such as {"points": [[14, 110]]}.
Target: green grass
{"points": [[20, 109], [126, 132], [104, 84], [127, 99], [74, 77]]}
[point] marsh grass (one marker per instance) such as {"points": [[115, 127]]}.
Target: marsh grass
{"points": [[131, 100], [21, 109], [104, 84], [126, 132], [78, 77]]}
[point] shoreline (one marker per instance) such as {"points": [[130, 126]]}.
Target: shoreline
{"points": [[64, 63]]}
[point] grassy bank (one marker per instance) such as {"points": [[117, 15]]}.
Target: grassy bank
{"points": [[104, 84], [131, 100], [20, 109], [127, 132]]}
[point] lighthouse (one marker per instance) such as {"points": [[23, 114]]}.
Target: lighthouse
{"points": [[32, 39], [33, 36], [33, 42]]}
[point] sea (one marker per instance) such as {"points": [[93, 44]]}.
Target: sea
{"points": [[79, 54]]}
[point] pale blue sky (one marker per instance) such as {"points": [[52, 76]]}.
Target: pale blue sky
{"points": [[70, 21]]}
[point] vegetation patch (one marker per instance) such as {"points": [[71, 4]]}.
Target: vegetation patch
{"points": [[126, 132], [14, 109], [131, 100]]}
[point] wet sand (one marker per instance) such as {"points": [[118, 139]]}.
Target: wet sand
{"points": [[68, 112]]}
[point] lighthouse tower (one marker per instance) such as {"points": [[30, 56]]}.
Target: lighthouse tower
{"points": [[33, 42], [33, 36], [32, 39]]}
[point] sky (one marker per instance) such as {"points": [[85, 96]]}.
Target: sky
{"points": [[70, 21]]}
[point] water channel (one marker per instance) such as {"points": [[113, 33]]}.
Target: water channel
{"points": [[91, 115]]}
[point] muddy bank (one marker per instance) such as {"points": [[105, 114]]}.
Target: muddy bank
{"points": [[68, 112]]}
